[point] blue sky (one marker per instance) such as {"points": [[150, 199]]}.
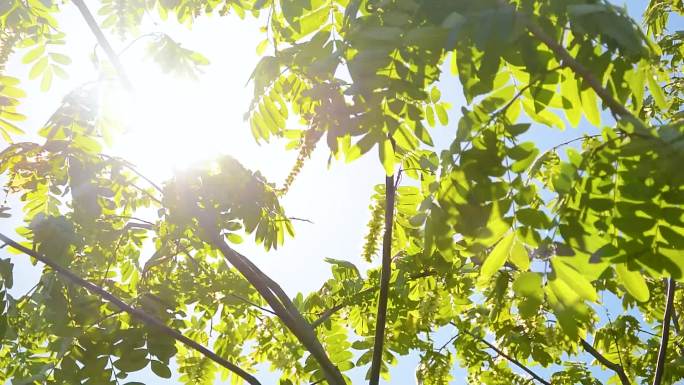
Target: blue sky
{"points": [[220, 98]]}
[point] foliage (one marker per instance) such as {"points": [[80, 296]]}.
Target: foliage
{"points": [[518, 248]]}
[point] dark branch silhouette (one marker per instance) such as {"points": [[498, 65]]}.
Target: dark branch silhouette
{"points": [[606, 362], [665, 335], [385, 274], [507, 357], [278, 300], [567, 60], [102, 41], [134, 312]]}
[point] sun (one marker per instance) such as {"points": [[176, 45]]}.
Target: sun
{"points": [[169, 123], [165, 128]]}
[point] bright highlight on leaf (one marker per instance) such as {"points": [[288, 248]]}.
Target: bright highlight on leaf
{"points": [[497, 257], [574, 280], [633, 281]]}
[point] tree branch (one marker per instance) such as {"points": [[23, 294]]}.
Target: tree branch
{"points": [[328, 313], [385, 274], [514, 362], [606, 362], [198, 266], [134, 312], [567, 60], [102, 41], [506, 356], [665, 335], [277, 299]]}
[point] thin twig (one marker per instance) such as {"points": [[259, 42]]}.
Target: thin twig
{"points": [[617, 346], [245, 300], [447, 343], [132, 218], [328, 313], [129, 45], [559, 145], [649, 333], [104, 43], [506, 356], [300, 219], [134, 312]]}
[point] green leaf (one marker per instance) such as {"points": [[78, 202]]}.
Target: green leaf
{"points": [[574, 279], [590, 106], [382, 33], [528, 284], [132, 361], [519, 256], [6, 272], [442, 114], [656, 92], [343, 264], [234, 238], [497, 258], [572, 102], [160, 369], [524, 154], [261, 47], [38, 68], [59, 58], [387, 156], [305, 16], [633, 281], [33, 54], [10, 128], [636, 79], [517, 129], [435, 95], [46, 82], [430, 115]]}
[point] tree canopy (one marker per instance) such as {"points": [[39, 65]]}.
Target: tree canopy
{"points": [[512, 249]]}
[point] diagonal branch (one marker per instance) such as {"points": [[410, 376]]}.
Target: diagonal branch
{"points": [[385, 274], [104, 43], [278, 300], [514, 361], [507, 357], [134, 312], [567, 60], [665, 335], [606, 362], [330, 311]]}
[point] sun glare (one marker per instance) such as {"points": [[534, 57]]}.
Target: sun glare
{"points": [[171, 123]]}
